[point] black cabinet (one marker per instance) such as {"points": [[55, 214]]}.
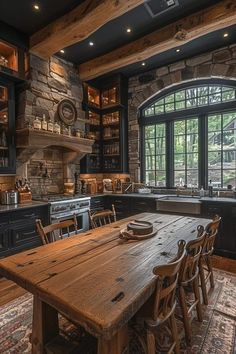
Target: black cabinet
{"points": [[7, 127], [128, 205], [97, 204], [225, 244], [18, 230]]}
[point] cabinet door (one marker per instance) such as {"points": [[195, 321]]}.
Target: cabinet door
{"points": [[23, 235], [4, 238], [7, 127]]}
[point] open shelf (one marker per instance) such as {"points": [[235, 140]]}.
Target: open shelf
{"points": [[8, 56]]}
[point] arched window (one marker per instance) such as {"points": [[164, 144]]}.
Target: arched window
{"points": [[189, 135]]}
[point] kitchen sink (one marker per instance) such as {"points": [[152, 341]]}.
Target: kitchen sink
{"points": [[180, 205]]}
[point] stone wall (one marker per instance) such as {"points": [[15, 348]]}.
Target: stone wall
{"points": [[48, 83], [220, 63]]}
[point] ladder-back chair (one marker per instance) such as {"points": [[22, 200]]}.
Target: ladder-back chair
{"points": [[188, 284], [103, 217], [160, 308], [205, 263], [54, 232]]}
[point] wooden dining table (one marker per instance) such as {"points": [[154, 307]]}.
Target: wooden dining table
{"points": [[95, 279]]}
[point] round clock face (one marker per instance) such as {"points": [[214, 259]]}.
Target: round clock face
{"points": [[67, 111]]}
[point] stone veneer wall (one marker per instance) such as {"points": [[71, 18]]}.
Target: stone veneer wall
{"points": [[220, 63], [48, 83]]}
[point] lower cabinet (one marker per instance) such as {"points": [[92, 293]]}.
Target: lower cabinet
{"points": [[225, 244], [128, 206], [18, 230]]}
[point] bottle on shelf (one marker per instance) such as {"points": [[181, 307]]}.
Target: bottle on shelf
{"points": [[202, 192], [57, 128], [210, 188], [37, 123], [50, 126], [3, 139], [44, 124]]}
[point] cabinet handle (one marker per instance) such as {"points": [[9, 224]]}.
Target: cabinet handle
{"points": [[29, 215]]}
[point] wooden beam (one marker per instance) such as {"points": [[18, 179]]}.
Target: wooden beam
{"points": [[180, 32], [78, 24]]}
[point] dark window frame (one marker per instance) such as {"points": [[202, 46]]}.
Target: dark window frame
{"points": [[200, 112]]}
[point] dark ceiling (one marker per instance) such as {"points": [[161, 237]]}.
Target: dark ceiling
{"points": [[113, 34]]}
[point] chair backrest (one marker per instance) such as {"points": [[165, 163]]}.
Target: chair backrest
{"points": [[189, 267], [211, 232], [103, 217], [53, 232], [167, 277]]}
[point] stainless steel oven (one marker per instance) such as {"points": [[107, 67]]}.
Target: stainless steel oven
{"points": [[65, 209]]}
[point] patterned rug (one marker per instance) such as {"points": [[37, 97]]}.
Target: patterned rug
{"points": [[216, 334]]}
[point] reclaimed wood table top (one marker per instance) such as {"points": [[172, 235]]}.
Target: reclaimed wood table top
{"points": [[94, 278]]}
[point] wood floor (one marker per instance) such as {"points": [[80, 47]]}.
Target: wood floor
{"points": [[10, 291]]}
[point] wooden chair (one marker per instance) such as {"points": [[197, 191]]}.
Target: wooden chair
{"points": [[205, 264], [53, 232], [188, 284], [103, 217], [160, 308]]}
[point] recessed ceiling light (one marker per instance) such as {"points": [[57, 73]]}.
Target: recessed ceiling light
{"points": [[128, 30], [177, 50], [36, 7], [226, 35], [91, 43], [143, 63], [62, 51]]}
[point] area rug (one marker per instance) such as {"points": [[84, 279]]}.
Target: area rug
{"points": [[216, 334]]}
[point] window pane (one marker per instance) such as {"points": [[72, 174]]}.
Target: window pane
{"points": [[192, 142], [229, 120], [160, 146], [228, 95], [180, 105], [161, 179], [170, 98], [179, 178], [214, 141], [160, 162], [202, 101], [150, 147], [180, 95], [150, 178], [215, 177], [216, 98], [229, 159], [150, 132], [202, 91], [192, 178], [192, 126], [214, 160], [179, 143], [192, 161], [179, 127], [229, 139], [170, 107], [159, 109], [150, 163], [160, 130], [228, 177], [214, 122], [179, 162]]}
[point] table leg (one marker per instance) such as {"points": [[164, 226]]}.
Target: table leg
{"points": [[119, 344], [45, 325]]}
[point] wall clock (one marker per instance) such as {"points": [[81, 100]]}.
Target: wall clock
{"points": [[67, 111]]}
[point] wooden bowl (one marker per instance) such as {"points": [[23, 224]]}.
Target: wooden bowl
{"points": [[140, 227]]}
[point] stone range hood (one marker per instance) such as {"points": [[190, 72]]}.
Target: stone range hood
{"points": [[29, 141]]}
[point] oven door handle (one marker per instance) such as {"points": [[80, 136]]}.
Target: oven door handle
{"points": [[66, 216]]}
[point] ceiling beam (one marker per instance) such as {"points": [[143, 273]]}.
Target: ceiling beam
{"points": [[78, 24], [180, 32]]}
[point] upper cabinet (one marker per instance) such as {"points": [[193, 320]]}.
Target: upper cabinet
{"points": [[12, 60], [105, 103], [7, 127]]}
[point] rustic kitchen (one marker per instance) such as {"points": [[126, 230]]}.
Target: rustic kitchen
{"points": [[117, 176]]}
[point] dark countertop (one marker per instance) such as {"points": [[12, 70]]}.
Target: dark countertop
{"points": [[158, 196], [15, 207]]}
